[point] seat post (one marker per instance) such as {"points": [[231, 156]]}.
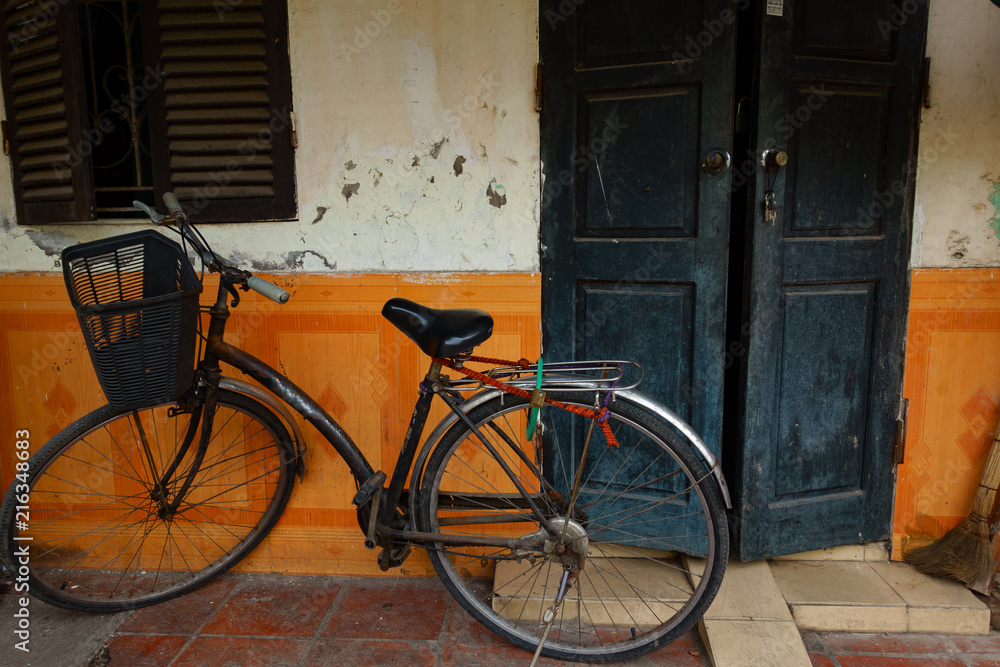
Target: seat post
{"points": [[433, 373]]}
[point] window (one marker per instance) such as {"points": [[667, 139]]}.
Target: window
{"points": [[110, 101]]}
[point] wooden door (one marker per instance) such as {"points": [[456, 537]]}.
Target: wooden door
{"points": [[635, 96], [838, 91]]}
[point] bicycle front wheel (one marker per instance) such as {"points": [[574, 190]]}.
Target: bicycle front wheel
{"points": [[641, 538], [103, 530]]}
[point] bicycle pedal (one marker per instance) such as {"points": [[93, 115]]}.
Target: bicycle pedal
{"points": [[368, 489], [388, 558]]}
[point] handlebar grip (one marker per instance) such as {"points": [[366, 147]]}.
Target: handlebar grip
{"points": [[270, 290], [173, 206]]}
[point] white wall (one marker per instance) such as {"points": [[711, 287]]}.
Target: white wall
{"points": [[959, 163], [464, 73], [387, 95]]}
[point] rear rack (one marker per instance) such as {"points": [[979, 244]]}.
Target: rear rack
{"points": [[564, 376]]}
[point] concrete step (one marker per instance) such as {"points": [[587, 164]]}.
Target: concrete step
{"points": [[863, 596]]}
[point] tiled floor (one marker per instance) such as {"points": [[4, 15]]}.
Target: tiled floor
{"points": [[256, 621], [840, 649]]}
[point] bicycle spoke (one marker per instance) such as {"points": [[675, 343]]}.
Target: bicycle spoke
{"points": [[116, 540]]}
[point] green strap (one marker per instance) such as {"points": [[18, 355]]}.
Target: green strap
{"points": [[533, 412]]}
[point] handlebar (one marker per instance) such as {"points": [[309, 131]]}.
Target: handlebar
{"points": [[211, 260], [270, 290]]}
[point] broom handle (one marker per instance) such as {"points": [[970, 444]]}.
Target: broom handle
{"points": [[986, 494]]}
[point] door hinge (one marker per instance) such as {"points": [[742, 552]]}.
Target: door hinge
{"points": [[6, 140], [538, 87], [925, 84], [899, 441]]}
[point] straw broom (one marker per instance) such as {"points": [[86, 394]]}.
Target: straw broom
{"points": [[964, 552]]}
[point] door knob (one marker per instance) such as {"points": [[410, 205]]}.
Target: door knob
{"points": [[774, 159], [715, 161]]}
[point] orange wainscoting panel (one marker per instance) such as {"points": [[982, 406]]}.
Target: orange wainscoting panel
{"points": [[953, 384], [330, 339]]}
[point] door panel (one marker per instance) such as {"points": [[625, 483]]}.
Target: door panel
{"points": [[667, 373], [641, 183], [828, 279], [833, 178], [825, 354]]}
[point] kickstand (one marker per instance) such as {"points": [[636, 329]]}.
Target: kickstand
{"points": [[550, 617]]}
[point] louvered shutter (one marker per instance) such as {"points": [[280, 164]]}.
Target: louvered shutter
{"points": [[223, 142], [43, 94]]}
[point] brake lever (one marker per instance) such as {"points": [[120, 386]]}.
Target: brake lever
{"points": [[231, 288], [153, 215]]}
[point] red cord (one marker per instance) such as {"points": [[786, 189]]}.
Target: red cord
{"points": [[601, 415]]}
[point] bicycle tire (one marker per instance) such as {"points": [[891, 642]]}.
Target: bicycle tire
{"points": [[640, 587], [101, 540]]}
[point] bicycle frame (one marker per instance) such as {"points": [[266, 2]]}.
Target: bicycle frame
{"points": [[218, 350]]}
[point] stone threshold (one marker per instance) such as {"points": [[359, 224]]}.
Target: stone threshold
{"points": [[755, 619]]}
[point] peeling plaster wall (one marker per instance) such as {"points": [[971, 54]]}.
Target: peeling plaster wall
{"points": [[957, 214], [417, 146]]}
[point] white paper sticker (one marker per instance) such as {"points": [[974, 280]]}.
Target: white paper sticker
{"points": [[775, 7]]}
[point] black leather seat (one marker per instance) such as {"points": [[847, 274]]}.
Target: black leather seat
{"points": [[439, 333]]}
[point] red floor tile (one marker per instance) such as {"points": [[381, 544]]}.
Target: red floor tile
{"points": [[882, 661], [820, 660], [479, 655], [140, 651], [978, 661], [368, 653], [183, 615], [462, 628], [978, 644], [389, 609], [242, 651], [895, 643], [465, 655], [679, 657], [690, 642], [292, 607]]}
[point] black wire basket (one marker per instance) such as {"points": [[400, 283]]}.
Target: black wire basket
{"points": [[136, 297]]}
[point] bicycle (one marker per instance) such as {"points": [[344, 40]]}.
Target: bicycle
{"points": [[563, 509]]}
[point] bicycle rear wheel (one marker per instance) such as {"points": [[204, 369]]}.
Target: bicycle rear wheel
{"points": [[646, 539], [102, 535]]}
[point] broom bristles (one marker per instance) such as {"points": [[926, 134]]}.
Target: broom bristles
{"points": [[963, 553]]}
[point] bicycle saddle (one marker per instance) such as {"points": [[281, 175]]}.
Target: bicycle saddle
{"points": [[439, 333]]}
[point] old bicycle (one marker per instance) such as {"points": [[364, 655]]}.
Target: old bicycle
{"points": [[561, 507]]}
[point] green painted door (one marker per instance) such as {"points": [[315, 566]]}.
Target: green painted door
{"points": [[634, 229], [838, 91]]}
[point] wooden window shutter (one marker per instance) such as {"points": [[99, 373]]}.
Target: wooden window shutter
{"points": [[223, 141], [44, 97]]}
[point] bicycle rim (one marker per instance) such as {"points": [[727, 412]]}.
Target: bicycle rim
{"points": [[100, 537], [647, 529]]}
